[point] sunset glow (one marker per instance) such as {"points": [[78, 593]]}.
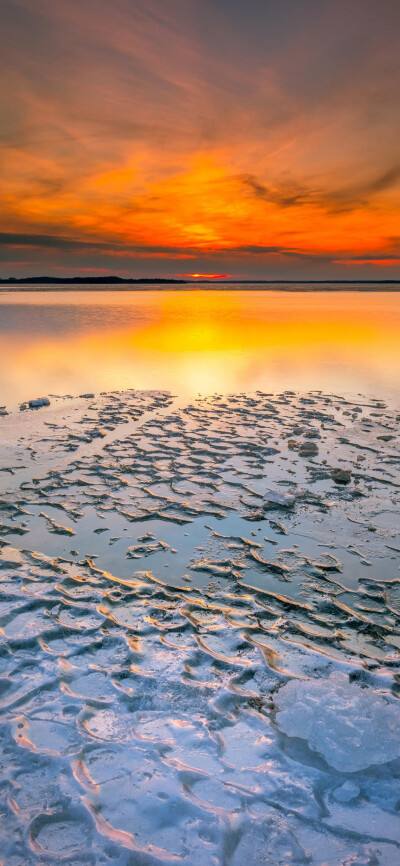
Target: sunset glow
{"points": [[199, 341], [169, 136], [207, 276]]}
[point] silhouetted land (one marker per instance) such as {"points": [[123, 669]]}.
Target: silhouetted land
{"points": [[30, 283], [85, 281]]}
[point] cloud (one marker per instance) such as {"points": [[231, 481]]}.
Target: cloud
{"points": [[293, 194], [178, 128], [12, 240]]}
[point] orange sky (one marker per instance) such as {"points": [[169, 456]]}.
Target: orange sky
{"points": [[177, 136]]}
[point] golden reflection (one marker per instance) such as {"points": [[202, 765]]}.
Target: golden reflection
{"points": [[204, 341]]}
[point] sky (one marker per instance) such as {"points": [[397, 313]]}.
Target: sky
{"points": [[250, 138]]}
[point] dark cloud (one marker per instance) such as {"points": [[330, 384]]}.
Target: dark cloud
{"points": [[16, 239], [13, 240], [352, 197], [286, 195], [291, 194]]}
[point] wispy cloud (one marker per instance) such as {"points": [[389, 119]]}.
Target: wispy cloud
{"points": [[206, 130], [351, 197]]}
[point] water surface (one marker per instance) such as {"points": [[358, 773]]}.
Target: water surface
{"points": [[193, 340]]}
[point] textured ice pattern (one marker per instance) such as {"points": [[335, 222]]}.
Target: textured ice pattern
{"points": [[200, 638]]}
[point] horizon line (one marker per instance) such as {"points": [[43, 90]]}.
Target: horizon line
{"points": [[118, 280]]}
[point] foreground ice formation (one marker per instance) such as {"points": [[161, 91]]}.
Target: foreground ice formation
{"points": [[199, 632], [341, 720], [36, 403]]}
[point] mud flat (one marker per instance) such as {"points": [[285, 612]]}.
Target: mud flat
{"points": [[199, 612]]}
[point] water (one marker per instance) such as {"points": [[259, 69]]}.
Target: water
{"points": [[191, 340], [199, 596]]}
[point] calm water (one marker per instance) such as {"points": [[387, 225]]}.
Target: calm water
{"points": [[192, 341]]}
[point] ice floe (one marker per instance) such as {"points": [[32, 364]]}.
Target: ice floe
{"points": [[350, 726]]}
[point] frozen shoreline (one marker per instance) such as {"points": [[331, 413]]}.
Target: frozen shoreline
{"points": [[168, 573]]}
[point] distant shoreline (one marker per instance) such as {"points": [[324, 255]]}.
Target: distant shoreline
{"points": [[114, 283], [98, 290]]}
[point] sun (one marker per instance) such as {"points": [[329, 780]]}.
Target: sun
{"points": [[207, 276]]}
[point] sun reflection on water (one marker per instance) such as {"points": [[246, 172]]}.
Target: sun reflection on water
{"points": [[198, 341]]}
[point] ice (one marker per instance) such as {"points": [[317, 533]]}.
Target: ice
{"points": [[349, 725], [347, 792], [178, 681], [36, 403]]}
